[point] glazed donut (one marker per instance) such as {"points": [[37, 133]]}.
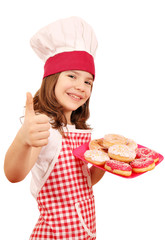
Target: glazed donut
{"points": [[121, 152], [118, 167], [111, 139], [97, 144], [131, 144], [143, 152], [142, 164], [96, 157]]}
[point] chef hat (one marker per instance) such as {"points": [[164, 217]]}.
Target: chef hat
{"points": [[67, 44]]}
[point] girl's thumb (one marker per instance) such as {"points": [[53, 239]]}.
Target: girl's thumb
{"points": [[29, 104]]}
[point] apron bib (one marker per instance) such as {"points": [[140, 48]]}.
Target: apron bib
{"points": [[66, 201]]}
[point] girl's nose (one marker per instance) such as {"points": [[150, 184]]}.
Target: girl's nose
{"points": [[80, 85]]}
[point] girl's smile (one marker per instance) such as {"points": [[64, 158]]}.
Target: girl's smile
{"points": [[75, 96], [73, 89]]}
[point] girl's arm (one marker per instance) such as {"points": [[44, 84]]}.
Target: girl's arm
{"points": [[96, 174], [23, 152], [19, 159]]}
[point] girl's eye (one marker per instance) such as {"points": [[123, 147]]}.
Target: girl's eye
{"points": [[71, 76], [88, 83]]}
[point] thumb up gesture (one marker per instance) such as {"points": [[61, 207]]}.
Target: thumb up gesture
{"points": [[35, 128]]}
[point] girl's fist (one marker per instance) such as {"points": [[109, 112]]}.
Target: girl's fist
{"points": [[36, 127]]}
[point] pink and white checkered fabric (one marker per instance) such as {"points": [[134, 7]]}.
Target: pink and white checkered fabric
{"points": [[66, 201]]}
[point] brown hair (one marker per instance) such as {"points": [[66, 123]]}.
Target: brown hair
{"points": [[45, 102]]}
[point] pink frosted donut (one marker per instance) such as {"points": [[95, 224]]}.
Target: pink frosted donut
{"points": [[118, 167], [142, 164], [143, 152]]}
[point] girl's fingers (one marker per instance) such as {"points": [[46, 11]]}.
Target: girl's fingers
{"points": [[42, 127], [41, 118]]}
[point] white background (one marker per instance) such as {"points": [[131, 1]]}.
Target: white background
{"points": [[128, 98]]}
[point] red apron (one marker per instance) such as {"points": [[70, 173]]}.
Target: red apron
{"points": [[66, 201]]}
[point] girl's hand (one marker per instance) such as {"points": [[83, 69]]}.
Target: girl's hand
{"points": [[35, 129]]}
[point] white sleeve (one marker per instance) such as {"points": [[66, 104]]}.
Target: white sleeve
{"points": [[46, 161]]}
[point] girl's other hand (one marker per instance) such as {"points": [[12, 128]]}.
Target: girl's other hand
{"points": [[35, 129]]}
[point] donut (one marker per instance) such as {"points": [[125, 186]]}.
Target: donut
{"points": [[131, 144], [111, 139], [155, 156], [96, 157], [121, 152], [142, 164], [97, 144], [142, 152], [118, 167]]}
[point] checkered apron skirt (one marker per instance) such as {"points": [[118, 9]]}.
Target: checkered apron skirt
{"points": [[66, 201]]}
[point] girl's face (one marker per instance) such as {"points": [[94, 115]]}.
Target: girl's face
{"points": [[73, 89]]}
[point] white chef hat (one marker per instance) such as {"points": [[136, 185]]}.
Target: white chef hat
{"points": [[67, 44]]}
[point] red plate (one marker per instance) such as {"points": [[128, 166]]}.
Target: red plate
{"points": [[79, 153]]}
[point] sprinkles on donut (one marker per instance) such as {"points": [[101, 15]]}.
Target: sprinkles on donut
{"points": [[143, 152], [142, 164], [118, 167]]}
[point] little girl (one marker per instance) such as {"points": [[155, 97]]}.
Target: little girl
{"points": [[55, 124]]}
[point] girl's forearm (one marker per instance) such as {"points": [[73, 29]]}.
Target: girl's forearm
{"points": [[96, 174], [19, 159]]}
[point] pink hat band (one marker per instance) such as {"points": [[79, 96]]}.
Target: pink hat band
{"points": [[65, 61]]}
